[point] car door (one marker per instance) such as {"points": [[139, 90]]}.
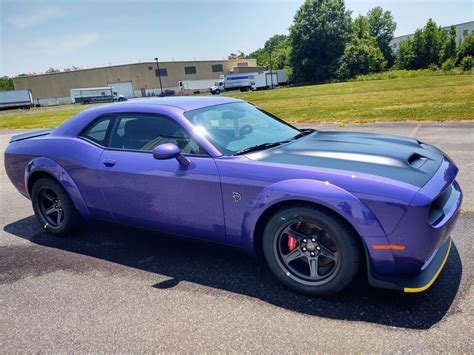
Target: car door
{"points": [[160, 194]]}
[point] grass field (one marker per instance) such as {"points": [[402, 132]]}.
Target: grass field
{"points": [[419, 98], [425, 98]]}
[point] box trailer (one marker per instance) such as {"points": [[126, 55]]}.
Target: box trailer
{"points": [[195, 86], [264, 80], [95, 95], [16, 99]]}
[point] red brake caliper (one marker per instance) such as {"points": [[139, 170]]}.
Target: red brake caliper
{"points": [[292, 242]]}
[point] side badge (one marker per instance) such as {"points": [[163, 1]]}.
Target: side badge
{"points": [[236, 196]]}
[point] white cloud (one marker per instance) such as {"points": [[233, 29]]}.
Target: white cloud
{"points": [[37, 17]]}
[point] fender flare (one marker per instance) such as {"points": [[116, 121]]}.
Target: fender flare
{"points": [[52, 168], [323, 193]]}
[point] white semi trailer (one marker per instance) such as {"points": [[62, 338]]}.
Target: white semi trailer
{"points": [[195, 86], [16, 99]]}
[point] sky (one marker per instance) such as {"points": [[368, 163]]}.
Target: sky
{"points": [[38, 34]]}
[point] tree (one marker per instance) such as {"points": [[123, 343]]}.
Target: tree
{"points": [[466, 48], [467, 63], [238, 55], [449, 46], [405, 58], [425, 49], [361, 56], [382, 26], [279, 46], [360, 27], [318, 36], [6, 83], [433, 40]]}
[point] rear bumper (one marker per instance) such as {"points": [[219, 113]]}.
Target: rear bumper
{"points": [[422, 281]]}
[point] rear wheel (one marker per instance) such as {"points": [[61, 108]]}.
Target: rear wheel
{"points": [[53, 208], [310, 250]]}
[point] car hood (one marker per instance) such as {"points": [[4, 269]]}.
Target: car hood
{"points": [[399, 158]]}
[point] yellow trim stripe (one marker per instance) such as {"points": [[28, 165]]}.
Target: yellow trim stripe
{"points": [[428, 285]]}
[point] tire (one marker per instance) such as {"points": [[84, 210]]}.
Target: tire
{"points": [[218, 92], [326, 254], [44, 194]]}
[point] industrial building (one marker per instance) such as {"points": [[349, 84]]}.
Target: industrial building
{"points": [[130, 80], [462, 30]]}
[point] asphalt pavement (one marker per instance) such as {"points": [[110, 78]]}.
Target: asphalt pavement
{"points": [[115, 289]]}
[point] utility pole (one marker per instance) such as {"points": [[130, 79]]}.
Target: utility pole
{"points": [[159, 76]]}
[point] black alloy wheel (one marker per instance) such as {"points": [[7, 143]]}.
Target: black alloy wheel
{"points": [[307, 252], [50, 207], [53, 208], [311, 250]]}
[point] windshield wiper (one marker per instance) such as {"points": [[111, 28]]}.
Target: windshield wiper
{"points": [[303, 132], [259, 147], [263, 146]]}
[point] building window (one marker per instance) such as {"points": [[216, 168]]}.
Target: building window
{"points": [[464, 33], [150, 68], [216, 68], [394, 46], [163, 72], [189, 70], [244, 64]]}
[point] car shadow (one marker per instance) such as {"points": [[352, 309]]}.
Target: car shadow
{"points": [[233, 271]]}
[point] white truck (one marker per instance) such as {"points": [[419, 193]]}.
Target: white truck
{"points": [[245, 82], [229, 82], [16, 99], [195, 86], [95, 95]]}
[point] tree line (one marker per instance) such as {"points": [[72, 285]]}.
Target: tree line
{"points": [[325, 44]]}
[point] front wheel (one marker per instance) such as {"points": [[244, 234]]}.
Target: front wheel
{"points": [[310, 250], [53, 208]]}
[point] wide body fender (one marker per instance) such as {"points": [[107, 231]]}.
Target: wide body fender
{"points": [[325, 194], [50, 167]]}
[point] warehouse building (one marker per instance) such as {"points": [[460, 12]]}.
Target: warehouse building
{"points": [[130, 80], [462, 30]]}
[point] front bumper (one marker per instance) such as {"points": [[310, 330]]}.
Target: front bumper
{"points": [[422, 281], [424, 233]]}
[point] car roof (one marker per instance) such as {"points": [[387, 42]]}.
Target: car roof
{"points": [[184, 103]]}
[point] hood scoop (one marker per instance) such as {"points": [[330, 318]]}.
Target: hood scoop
{"points": [[417, 161]]}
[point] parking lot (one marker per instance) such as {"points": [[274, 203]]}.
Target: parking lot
{"points": [[114, 289]]}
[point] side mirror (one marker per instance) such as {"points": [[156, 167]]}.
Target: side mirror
{"points": [[169, 151]]}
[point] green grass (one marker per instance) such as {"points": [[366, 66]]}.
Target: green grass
{"points": [[39, 118], [422, 98], [413, 96]]}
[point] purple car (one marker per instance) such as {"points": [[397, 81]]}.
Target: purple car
{"points": [[319, 206]]}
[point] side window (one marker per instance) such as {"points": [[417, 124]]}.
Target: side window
{"points": [[97, 132], [145, 132]]}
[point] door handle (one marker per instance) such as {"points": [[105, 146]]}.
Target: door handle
{"points": [[109, 162]]}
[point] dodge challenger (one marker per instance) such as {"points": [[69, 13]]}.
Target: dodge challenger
{"points": [[318, 206]]}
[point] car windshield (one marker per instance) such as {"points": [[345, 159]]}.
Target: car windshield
{"points": [[237, 127]]}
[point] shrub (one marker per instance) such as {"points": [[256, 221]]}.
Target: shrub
{"points": [[467, 63], [448, 64]]}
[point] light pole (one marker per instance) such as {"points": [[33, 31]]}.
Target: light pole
{"points": [[159, 76], [271, 73]]}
